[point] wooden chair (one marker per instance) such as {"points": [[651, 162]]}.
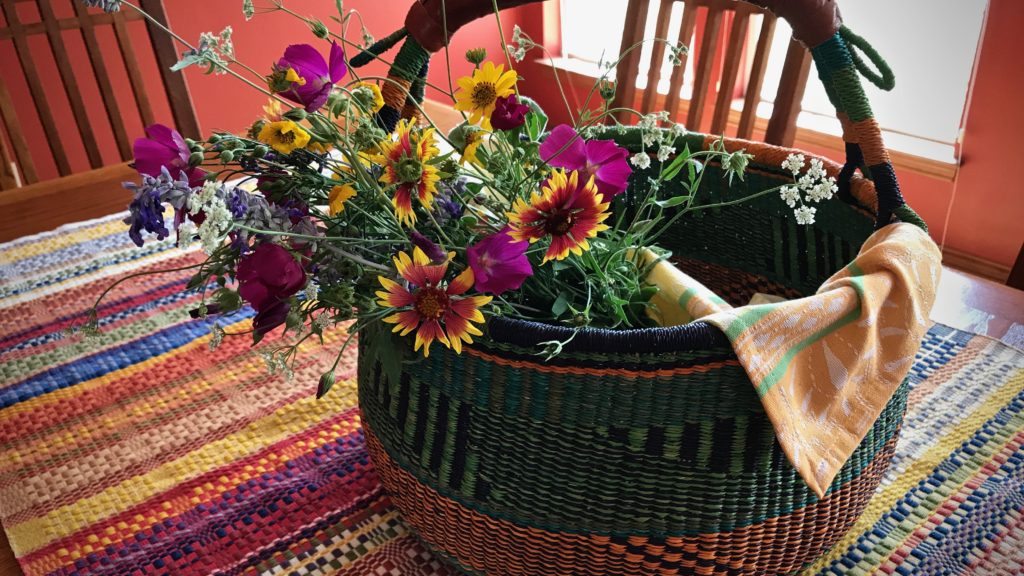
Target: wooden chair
{"points": [[781, 128], [1016, 278], [29, 208]]}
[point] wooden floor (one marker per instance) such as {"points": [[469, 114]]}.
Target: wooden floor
{"points": [[964, 301]]}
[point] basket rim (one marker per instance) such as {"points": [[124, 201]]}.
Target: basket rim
{"points": [[694, 336]]}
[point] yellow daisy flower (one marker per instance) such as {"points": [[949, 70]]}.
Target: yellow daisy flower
{"points": [[284, 136], [479, 94], [273, 111], [474, 138]]}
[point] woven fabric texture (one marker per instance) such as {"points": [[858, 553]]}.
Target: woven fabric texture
{"points": [[145, 452]]}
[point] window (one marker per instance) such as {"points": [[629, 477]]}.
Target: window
{"points": [[932, 60]]}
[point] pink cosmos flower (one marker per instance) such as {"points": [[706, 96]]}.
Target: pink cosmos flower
{"points": [[303, 76], [499, 263], [603, 159], [165, 147]]}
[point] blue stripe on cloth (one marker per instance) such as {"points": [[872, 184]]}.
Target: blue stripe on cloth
{"points": [[115, 358], [118, 240]]}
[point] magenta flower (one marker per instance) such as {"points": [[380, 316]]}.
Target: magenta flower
{"points": [[165, 148], [499, 263], [603, 159], [267, 277], [509, 113], [303, 76]]}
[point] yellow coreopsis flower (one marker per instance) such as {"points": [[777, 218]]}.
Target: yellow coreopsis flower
{"points": [[479, 93], [378, 98], [284, 136], [474, 138], [337, 198]]}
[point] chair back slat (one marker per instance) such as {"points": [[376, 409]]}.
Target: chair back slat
{"points": [[8, 170], [675, 83], [99, 67], [705, 64], [35, 85], [757, 70], [166, 53], [629, 65], [731, 68], [718, 74], [657, 54], [131, 65], [782, 125], [70, 84], [81, 72], [17, 139]]}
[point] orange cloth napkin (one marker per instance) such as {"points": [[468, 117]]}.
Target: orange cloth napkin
{"points": [[826, 365]]}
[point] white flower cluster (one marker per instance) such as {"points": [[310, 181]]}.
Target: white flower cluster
{"points": [[653, 137], [814, 186], [218, 219], [521, 44], [216, 336], [311, 291]]}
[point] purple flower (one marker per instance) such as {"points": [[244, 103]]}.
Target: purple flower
{"points": [[303, 76], [499, 263], [603, 159], [267, 277], [432, 250], [146, 211], [509, 113], [165, 148]]}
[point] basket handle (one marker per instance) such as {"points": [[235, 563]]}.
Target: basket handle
{"points": [[815, 23]]}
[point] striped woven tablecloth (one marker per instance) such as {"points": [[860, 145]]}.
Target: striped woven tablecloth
{"points": [[143, 451]]}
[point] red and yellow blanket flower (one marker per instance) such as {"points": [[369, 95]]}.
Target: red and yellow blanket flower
{"points": [[436, 311], [566, 210], [406, 162], [478, 94]]}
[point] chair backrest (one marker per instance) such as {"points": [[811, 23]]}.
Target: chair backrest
{"points": [[69, 79], [737, 17]]}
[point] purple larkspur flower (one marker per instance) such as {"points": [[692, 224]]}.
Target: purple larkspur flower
{"points": [[146, 210], [603, 159], [432, 250]]}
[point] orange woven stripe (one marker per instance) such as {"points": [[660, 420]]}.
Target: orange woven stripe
{"points": [[394, 92], [849, 134], [598, 371], [492, 545], [869, 136]]}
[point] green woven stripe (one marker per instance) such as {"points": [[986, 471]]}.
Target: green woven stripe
{"points": [[410, 59], [582, 479]]}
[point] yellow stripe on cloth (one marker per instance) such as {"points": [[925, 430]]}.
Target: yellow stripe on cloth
{"points": [[921, 467], [824, 366], [282, 424]]}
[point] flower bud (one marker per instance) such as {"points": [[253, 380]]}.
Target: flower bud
{"points": [[295, 114], [213, 139], [319, 29], [260, 151], [227, 156], [476, 56], [195, 159]]}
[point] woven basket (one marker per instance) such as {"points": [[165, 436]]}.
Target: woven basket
{"points": [[638, 451]]}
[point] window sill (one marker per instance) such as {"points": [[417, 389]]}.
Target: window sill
{"points": [[907, 152]]}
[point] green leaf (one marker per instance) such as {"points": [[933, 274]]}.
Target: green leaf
{"points": [[186, 61], [673, 201], [536, 119], [387, 348], [468, 221], [560, 306], [673, 168]]}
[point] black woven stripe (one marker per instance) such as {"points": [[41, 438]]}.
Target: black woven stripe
{"points": [[693, 336], [784, 248], [461, 442], [721, 445], [821, 239], [691, 438], [422, 416], [440, 433], [801, 246], [646, 365]]}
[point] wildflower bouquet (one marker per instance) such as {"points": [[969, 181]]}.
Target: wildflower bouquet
{"points": [[320, 214]]}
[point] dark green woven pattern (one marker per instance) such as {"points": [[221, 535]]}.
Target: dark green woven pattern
{"points": [[678, 455]]}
